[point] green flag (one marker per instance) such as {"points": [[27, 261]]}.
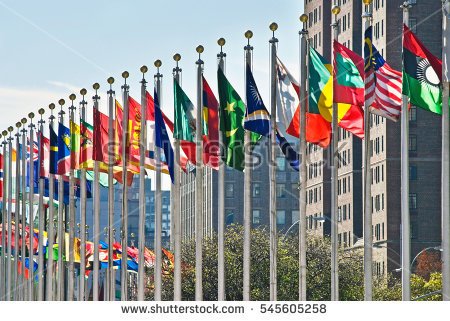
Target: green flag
{"points": [[232, 113], [184, 125]]}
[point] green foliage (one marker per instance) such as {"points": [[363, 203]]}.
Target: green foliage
{"points": [[351, 277]]}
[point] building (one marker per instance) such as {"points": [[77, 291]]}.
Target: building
{"points": [[424, 139]]}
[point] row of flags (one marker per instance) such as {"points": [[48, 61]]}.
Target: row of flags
{"points": [[132, 251]]}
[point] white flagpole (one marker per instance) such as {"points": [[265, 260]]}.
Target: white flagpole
{"points": [[221, 200], [41, 212], [18, 279], [71, 269], [199, 182], [96, 227], [9, 218], [142, 202], [50, 224], [272, 165], [248, 159], [61, 221], [30, 204], [176, 203], [24, 286], [405, 215], [124, 232], [302, 197], [445, 153], [81, 296], [367, 177], [158, 201], [3, 258], [110, 279], [334, 182]]}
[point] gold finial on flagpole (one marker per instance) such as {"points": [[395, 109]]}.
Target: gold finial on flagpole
{"points": [[83, 92]]}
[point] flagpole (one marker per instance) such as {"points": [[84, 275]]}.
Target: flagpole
{"points": [[31, 203], [368, 239], [124, 234], [71, 269], [334, 182], [303, 146], [3, 259], [405, 215], [445, 153], [9, 266], [51, 227], [61, 223], [247, 189], [142, 202], [199, 182], [221, 199], [81, 296], [18, 279], [96, 267], [272, 165], [177, 202], [41, 211], [23, 292], [158, 201], [110, 280]]}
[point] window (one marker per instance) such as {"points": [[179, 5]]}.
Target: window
{"points": [[412, 172], [413, 114], [281, 190], [295, 187], [413, 24], [256, 217], [229, 190], [413, 201], [256, 189], [281, 164], [412, 143], [281, 217], [295, 216], [229, 217]]}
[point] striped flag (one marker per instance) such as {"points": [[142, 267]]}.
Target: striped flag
{"points": [[383, 84]]}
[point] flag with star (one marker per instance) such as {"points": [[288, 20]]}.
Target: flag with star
{"points": [[232, 113]]}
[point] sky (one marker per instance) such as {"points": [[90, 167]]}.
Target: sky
{"points": [[50, 49]]}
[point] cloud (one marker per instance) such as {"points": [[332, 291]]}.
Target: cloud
{"points": [[63, 85]]}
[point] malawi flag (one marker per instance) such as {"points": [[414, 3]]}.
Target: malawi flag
{"points": [[348, 89], [422, 74], [232, 113]]}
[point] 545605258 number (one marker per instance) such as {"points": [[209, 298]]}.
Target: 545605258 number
{"points": [[303, 308]]}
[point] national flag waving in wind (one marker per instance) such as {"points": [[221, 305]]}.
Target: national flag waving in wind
{"points": [[63, 149], [53, 151], [383, 84], [211, 148], [422, 74]]}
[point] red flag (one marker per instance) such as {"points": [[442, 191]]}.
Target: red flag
{"points": [[100, 137]]}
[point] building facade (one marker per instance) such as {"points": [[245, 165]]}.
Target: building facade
{"points": [[424, 137]]}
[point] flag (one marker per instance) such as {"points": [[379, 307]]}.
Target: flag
{"points": [[53, 151], [348, 89], [100, 137], [75, 134], [86, 144], [133, 162], [383, 84], [422, 74], [185, 121], [134, 137], [232, 113], [162, 138], [44, 161], [63, 161], [211, 147], [257, 118], [186, 147], [1, 176], [289, 152]]}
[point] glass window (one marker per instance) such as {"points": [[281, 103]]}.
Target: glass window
{"points": [[413, 201], [229, 190], [412, 172], [413, 114], [256, 189], [412, 143], [256, 217], [229, 217], [281, 217], [281, 190], [281, 164], [295, 216]]}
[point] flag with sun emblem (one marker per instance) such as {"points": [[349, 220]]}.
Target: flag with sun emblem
{"points": [[257, 118], [63, 158], [422, 74]]}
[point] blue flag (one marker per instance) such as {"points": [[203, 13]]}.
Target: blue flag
{"points": [[63, 149], [257, 118], [162, 138], [291, 155]]}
